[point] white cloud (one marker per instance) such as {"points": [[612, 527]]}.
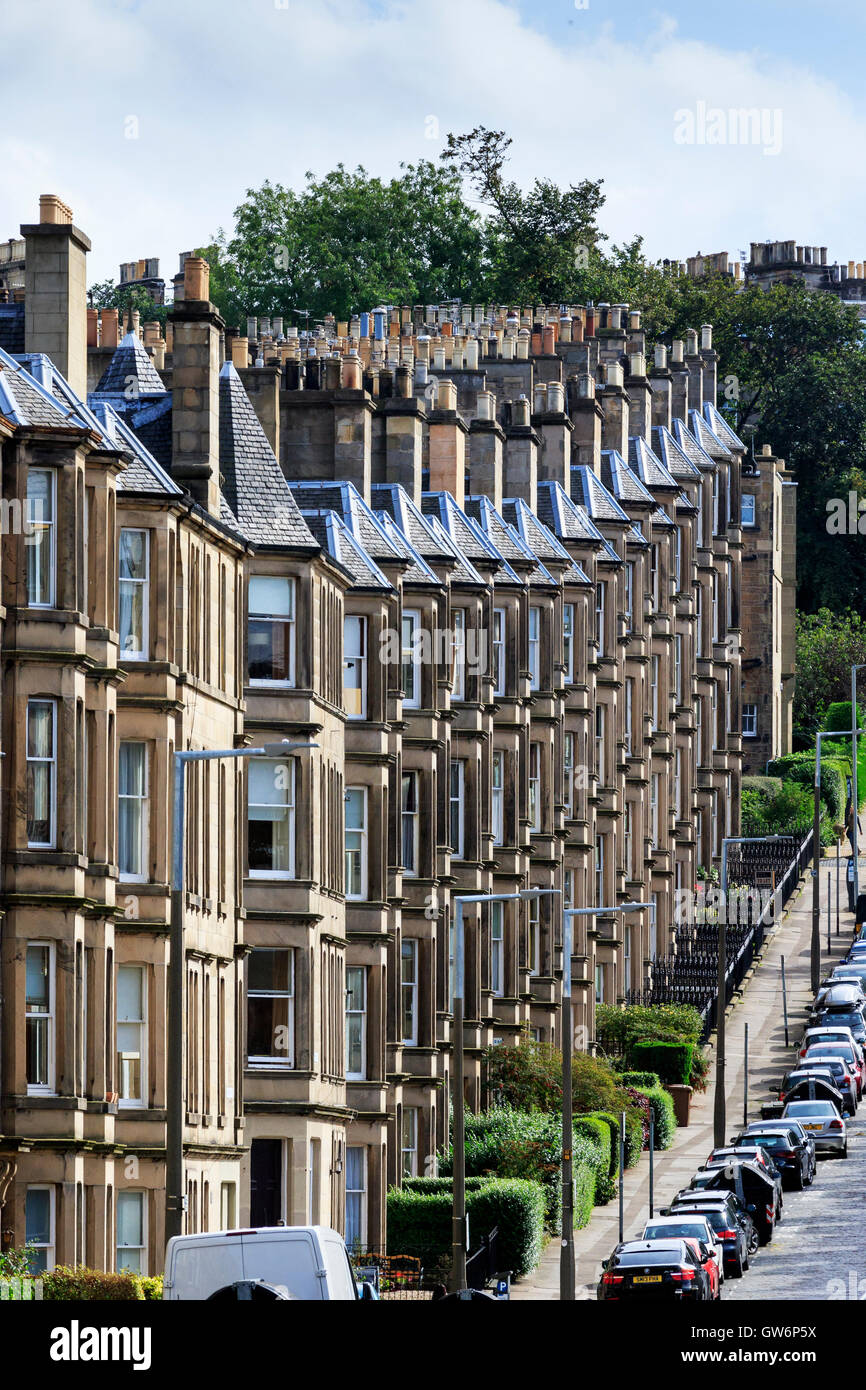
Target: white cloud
{"points": [[227, 95]]}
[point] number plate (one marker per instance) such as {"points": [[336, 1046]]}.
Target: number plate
{"points": [[813, 1126], [647, 1279]]}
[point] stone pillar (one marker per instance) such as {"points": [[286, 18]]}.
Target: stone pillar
{"points": [[486, 439], [555, 431], [55, 280]]}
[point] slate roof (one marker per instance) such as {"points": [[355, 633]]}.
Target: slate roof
{"points": [[25, 399], [661, 518], [563, 517], [591, 493], [707, 440], [335, 537], [472, 542], [395, 500], [464, 572], [684, 505], [534, 534], [130, 373], [721, 429], [345, 499], [144, 473], [254, 486], [501, 535], [692, 449], [648, 467], [620, 481], [12, 327], [419, 572], [151, 421], [678, 464]]}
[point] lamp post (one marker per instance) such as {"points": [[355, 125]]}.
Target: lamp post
{"points": [[566, 1257], [719, 1111], [854, 732], [175, 1195], [815, 953], [458, 1203]]}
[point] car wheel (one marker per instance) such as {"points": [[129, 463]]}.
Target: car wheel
{"points": [[745, 1262], [845, 1151]]}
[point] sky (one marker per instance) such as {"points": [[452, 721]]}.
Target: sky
{"points": [[152, 118]]}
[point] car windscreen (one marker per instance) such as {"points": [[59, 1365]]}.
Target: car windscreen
{"points": [[697, 1229], [773, 1141], [817, 1051], [812, 1107]]}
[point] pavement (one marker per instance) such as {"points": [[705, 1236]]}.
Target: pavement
{"points": [[812, 1252]]}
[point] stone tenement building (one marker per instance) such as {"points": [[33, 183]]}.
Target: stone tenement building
{"points": [[489, 563], [783, 263]]}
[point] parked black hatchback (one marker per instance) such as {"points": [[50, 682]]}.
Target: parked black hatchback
{"points": [[650, 1269]]}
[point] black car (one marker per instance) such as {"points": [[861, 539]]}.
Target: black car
{"points": [[755, 1189], [748, 1151], [789, 1152], [772, 1126], [652, 1269], [835, 1018], [729, 1219]]}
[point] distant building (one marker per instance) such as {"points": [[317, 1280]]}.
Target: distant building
{"points": [[783, 263], [11, 269], [143, 275]]}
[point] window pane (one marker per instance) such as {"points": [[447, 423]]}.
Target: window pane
{"points": [[264, 1018], [133, 554], [131, 769], [37, 1219], [36, 976], [129, 993], [355, 809], [271, 595], [40, 729], [269, 971], [268, 787]]}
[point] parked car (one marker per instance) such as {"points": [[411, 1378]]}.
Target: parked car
{"points": [[694, 1225], [648, 1269], [802, 1073], [790, 1153], [771, 1126], [719, 1158], [842, 1076], [815, 1086], [848, 1050], [838, 998], [824, 1122], [755, 1189], [709, 1264], [306, 1262], [729, 1219], [812, 1036], [842, 1018]]}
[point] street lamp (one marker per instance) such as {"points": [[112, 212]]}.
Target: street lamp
{"points": [[719, 1110], [175, 1195], [854, 670], [566, 1256], [458, 1206]]}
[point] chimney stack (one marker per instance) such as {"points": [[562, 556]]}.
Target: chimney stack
{"points": [[55, 279], [614, 403], [195, 387], [520, 470], [486, 439], [447, 444]]}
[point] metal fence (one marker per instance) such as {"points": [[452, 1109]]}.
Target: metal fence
{"points": [[761, 878], [410, 1277]]}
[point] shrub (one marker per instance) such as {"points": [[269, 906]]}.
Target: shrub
{"points": [[527, 1076], [671, 1060], [597, 1131], [419, 1223], [636, 1126], [615, 1027], [643, 1080], [593, 1084], [80, 1284], [509, 1143], [151, 1286], [441, 1184], [664, 1119]]}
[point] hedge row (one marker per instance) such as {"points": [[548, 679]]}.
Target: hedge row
{"points": [[419, 1223], [82, 1284], [671, 1061], [664, 1117]]}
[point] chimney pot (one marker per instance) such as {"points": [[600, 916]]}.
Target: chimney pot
{"points": [[706, 336], [555, 397], [661, 355], [196, 279], [677, 350], [53, 210], [240, 352]]}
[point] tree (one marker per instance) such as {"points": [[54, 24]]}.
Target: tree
{"points": [[107, 295], [537, 242], [828, 645]]}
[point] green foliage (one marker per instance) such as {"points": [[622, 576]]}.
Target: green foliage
{"points": [[507, 1142], [107, 295], [616, 1028], [664, 1118], [79, 1283], [151, 1287], [419, 1223], [527, 1076], [671, 1060], [16, 1264], [788, 809], [828, 645], [598, 1132], [442, 1184], [643, 1080]]}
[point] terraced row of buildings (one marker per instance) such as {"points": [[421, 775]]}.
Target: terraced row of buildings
{"points": [[497, 566]]}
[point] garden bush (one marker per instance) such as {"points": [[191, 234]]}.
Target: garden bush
{"points": [[82, 1284], [616, 1027], [504, 1142], [527, 1076], [671, 1060], [636, 1126], [643, 1080], [664, 1119], [597, 1131], [419, 1223]]}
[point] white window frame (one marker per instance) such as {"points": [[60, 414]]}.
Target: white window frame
{"points": [[497, 801], [359, 837], [629, 595], [678, 667], [458, 654], [410, 1149], [499, 635], [678, 559], [655, 703], [356, 660], [655, 562], [141, 1023], [50, 762], [533, 936], [360, 1013], [457, 807], [276, 1061], [49, 1015], [144, 799], [600, 617], [628, 840], [38, 526], [534, 629], [568, 746], [497, 949], [600, 728], [699, 616], [599, 983], [290, 817], [288, 620], [750, 720], [600, 852], [50, 1245], [629, 716], [141, 1194], [361, 1192], [411, 779], [142, 653], [678, 782], [568, 641], [535, 788], [748, 514], [654, 809], [410, 656], [409, 986]]}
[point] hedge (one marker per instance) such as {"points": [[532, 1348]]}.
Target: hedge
{"points": [[596, 1130], [81, 1284], [641, 1079], [441, 1184], [672, 1061], [506, 1143], [419, 1223], [664, 1118]]}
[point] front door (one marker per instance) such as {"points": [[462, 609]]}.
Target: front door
{"points": [[266, 1182]]}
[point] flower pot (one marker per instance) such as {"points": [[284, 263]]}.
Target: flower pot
{"points": [[682, 1099]]}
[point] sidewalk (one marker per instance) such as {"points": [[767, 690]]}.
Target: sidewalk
{"points": [[761, 1007]]}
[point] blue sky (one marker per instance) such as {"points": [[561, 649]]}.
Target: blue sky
{"points": [[152, 117]]}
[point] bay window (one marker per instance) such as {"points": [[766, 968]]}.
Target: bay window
{"points": [[409, 991], [356, 1023], [40, 540], [271, 630], [409, 823], [39, 1017], [355, 667], [41, 737], [133, 594], [131, 1233], [356, 842], [271, 1007], [131, 1035], [271, 817], [132, 818]]}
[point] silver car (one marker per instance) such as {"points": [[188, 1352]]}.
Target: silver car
{"points": [[822, 1120], [665, 1227]]}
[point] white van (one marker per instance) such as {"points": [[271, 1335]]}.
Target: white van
{"points": [[309, 1262]]}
